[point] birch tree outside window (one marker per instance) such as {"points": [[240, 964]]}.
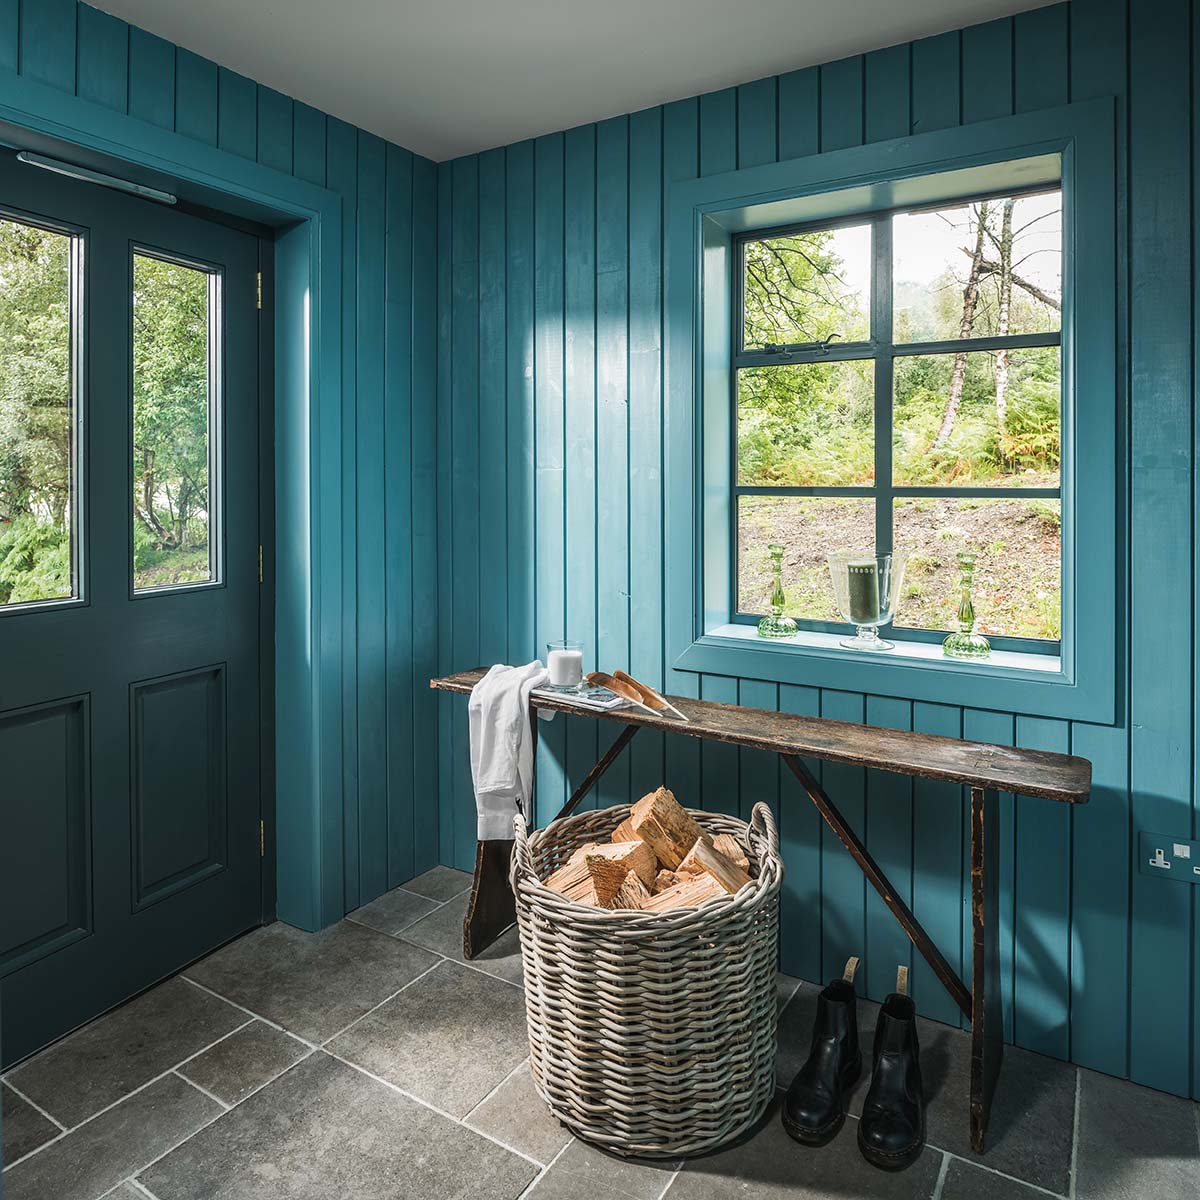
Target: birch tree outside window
{"points": [[898, 384]]}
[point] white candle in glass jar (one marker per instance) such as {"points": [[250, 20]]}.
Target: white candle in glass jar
{"points": [[565, 667]]}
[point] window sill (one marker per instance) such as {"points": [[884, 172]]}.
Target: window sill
{"points": [[1011, 681]]}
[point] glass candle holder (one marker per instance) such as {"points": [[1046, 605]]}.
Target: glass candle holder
{"points": [[866, 588], [777, 625], [966, 643], [564, 662]]}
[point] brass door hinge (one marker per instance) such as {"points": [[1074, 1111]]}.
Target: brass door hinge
{"points": [[260, 289], [260, 571], [262, 839]]}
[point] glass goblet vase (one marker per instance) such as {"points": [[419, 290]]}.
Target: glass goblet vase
{"points": [[866, 588]]}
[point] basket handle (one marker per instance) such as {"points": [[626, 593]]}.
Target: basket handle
{"points": [[522, 863], [763, 828]]}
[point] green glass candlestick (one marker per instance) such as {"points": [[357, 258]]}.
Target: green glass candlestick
{"points": [[777, 625], [966, 643]]}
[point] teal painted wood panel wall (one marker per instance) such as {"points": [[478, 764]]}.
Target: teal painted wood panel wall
{"points": [[1100, 964], [388, 433]]}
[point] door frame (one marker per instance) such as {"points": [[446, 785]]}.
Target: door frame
{"points": [[305, 833]]}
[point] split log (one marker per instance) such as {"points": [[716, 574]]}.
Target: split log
{"points": [[663, 880], [593, 880], [633, 893], [692, 890], [729, 846], [661, 822], [703, 859], [632, 855], [624, 832]]}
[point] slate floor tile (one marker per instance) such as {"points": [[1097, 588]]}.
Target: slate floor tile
{"points": [[1031, 1129], [313, 984], [25, 1128], [1134, 1142], [439, 883], [323, 1130], [449, 1039], [558, 1184], [631, 1178], [517, 1116], [442, 931], [244, 1061], [95, 1157], [393, 911], [124, 1049], [769, 1165], [967, 1182]]}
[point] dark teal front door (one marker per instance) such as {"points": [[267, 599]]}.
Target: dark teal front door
{"points": [[129, 597]]}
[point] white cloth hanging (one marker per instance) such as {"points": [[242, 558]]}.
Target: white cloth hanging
{"points": [[502, 746]]}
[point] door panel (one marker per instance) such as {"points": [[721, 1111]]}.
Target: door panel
{"points": [[129, 811]]}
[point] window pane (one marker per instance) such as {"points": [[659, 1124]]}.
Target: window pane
{"points": [[172, 402], [810, 527], [806, 287], [979, 270], [989, 418], [1018, 576], [37, 416], [807, 425]]}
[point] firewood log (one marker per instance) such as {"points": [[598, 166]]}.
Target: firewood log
{"points": [[624, 831], [633, 893], [661, 822], [663, 880], [729, 846], [633, 855], [593, 880], [692, 890], [703, 859]]}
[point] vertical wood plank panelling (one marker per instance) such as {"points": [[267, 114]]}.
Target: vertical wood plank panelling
{"points": [[10, 34], [237, 113], [1040, 58], [888, 93], [274, 130], [464, 472], [400, 536], [987, 87], [718, 791], [756, 134], [370, 642], [424, 491], [48, 42], [936, 82], [549, 527], [196, 97], [520, 445], [843, 888], [800, 902], [842, 104], [308, 144], [1161, 680], [341, 171], [1000, 729], [937, 867], [493, 595], [646, 754], [718, 132], [1043, 891], [581, 418], [612, 424], [102, 59], [889, 838], [799, 113], [758, 771], [152, 79]]}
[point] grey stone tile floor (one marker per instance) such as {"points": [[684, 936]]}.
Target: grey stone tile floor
{"points": [[369, 1062]]}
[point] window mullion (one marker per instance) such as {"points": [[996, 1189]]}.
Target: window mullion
{"points": [[881, 335]]}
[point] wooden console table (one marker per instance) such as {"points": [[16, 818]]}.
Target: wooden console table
{"points": [[986, 769]]}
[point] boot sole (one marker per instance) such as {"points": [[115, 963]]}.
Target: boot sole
{"points": [[891, 1162], [826, 1133]]}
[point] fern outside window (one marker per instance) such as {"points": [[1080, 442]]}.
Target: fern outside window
{"points": [[897, 385]]}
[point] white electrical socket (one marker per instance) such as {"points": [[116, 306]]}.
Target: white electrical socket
{"points": [[1160, 859]]}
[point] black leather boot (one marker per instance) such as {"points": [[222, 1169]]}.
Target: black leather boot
{"points": [[891, 1131], [815, 1106]]}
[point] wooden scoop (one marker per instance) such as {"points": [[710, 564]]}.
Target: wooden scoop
{"points": [[646, 698]]}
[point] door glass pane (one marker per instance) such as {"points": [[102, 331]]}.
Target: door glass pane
{"points": [[1018, 576], [806, 287], [807, 425], [38, 443], [985, 269], [173, 435], [987, 418], [809, 527]]}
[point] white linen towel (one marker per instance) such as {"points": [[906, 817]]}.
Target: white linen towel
{"points": [[502, 746]]}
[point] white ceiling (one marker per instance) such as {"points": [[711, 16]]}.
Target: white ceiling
{"points": [[454, 76]]}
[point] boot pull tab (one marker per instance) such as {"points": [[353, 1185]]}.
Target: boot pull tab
{"points": [[851, 967], [902, 981]]}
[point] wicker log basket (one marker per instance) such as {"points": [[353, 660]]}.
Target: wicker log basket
{"points": [[651, 1034]]}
